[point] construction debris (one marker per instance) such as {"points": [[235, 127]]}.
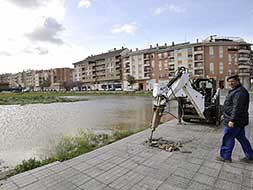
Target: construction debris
{"points": [[166, 145]]}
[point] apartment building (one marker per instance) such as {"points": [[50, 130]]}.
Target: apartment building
{"points": [[166, 60], [225, 56], [137, 64], [17, 80], [42, 79], [59, 77], [102, 71], [53, 79], [5, 78], [251, 69], [214, 57]]}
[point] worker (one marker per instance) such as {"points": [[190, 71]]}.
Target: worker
{"points": [[202, 89], [236, 117]]}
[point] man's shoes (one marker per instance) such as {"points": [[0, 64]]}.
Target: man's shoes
{"points": [[218, 158], [247, 160]]}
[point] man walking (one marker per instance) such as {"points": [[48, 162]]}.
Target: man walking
{"points": [[236, 117]]}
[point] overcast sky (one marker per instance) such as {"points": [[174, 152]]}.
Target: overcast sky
{"points": [[42, 34]]}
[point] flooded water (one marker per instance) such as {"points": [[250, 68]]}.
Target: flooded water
{"points": [[29, 131]]}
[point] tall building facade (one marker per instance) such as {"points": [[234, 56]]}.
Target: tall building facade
{"points": [[226, 56], [100, 72]]}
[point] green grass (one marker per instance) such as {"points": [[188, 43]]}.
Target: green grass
{"points": [[53, 97], [73, 146], [33, 98]]}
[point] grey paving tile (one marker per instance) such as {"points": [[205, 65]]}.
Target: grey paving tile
{"points": [[83, 166], [127, 181], [129, 164], [213, 164], [37, 186], [179, 156], [79, 179], [106, 165], [93, 172], [22, 181], [177, 181], [147, 183], [194, 160], [51, 181], [228, 176], [9, 186], [227, 185], [64, 185], [69, 172], [59, 167], [92, 185], [197, 186], [204, 179], [42, 173], [111, 175], [209, 171], [246, 188], [248, 182], [117, 160], [190, 167], [158, 174], [166, 186], [94, 161], [138, 159], [184, 173]]}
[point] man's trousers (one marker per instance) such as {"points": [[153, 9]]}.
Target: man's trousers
{"points": [[228, 142]]}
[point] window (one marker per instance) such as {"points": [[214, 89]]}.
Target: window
{"points": [[229, 58], [211, 68], [211, 50], [229, 71], [220, 51], [160, 65], [153, 64], [221, 68], [235, 56], [189, 50]]}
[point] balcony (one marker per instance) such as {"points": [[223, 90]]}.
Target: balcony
{"points": [[199, 72], [198, 57], [147, 57], [243, 74], [244, 51], [198, 65], [89, 80], [100, 68], [244, 59], [244, 66]]}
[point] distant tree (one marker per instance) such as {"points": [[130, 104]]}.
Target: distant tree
{"points": [[131, 80], [45, 83], [78, 84], [68, 85]]}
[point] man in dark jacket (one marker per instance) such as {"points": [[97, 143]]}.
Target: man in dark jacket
{"points": [[236, 117]]}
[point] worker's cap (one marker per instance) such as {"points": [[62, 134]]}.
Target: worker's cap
{"points": [[236, 77]]}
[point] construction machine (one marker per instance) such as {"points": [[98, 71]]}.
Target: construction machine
{"points": [[198, 100]]}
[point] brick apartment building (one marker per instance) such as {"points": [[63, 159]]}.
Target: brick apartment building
{"points": [[100, 72], [214, 57], [60, 76], [36, 79], [5, 78]]}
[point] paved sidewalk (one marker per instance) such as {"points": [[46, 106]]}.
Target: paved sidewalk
{"points": [[128, 164]]}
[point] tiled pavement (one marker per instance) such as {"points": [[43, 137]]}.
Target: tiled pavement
{"points": [[128, 164]]}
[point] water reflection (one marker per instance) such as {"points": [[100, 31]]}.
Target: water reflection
{"points": [[28, 131]]}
